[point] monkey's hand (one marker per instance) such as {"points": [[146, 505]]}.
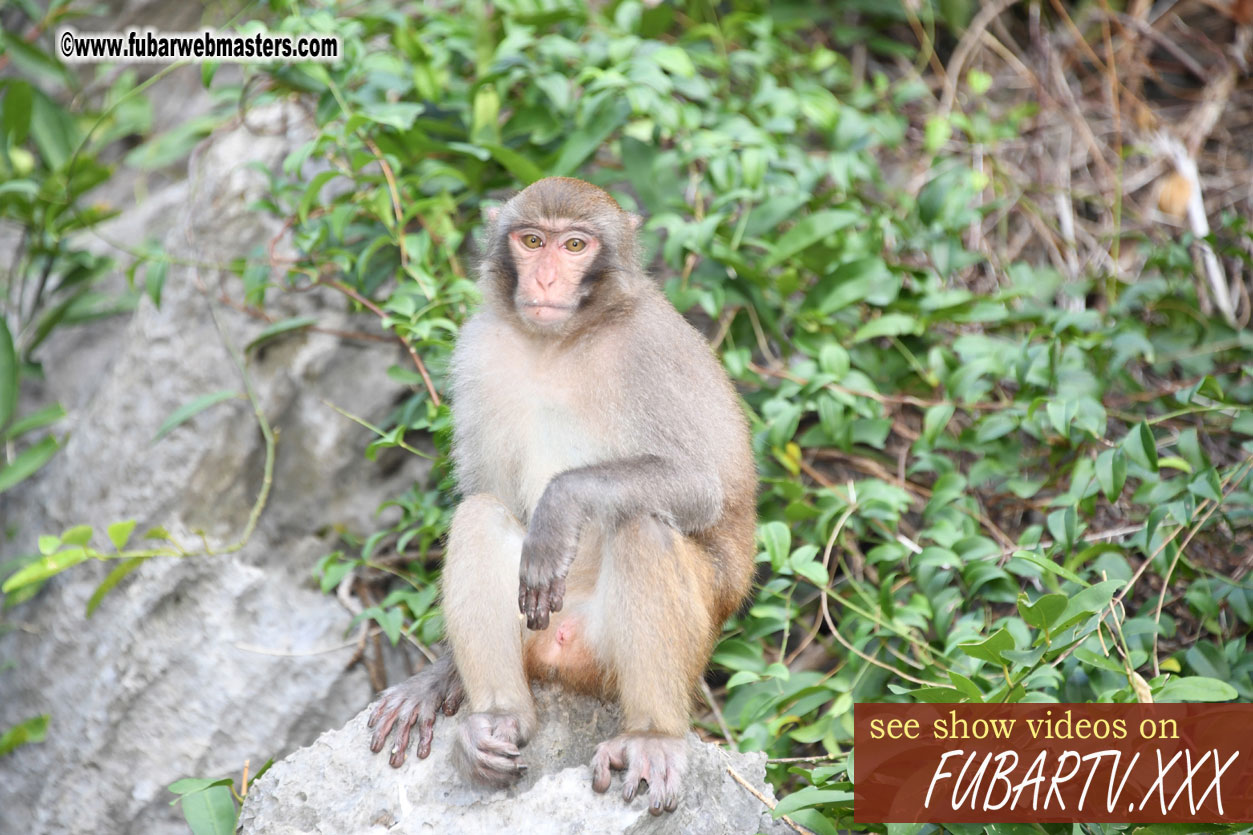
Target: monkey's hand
{"points": [[656, 760], [417, 700], [547, 553]]}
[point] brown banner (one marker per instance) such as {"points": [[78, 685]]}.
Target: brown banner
{"points": [[1053, 763]]}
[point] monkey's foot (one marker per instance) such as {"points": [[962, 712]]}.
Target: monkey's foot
{"points": [[657, 760], [487, 748], [417, 700]]}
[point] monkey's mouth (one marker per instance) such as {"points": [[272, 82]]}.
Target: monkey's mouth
{"points": [[546, 312]]}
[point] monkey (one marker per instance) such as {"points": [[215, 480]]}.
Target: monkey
{"points": [[606, 530]]}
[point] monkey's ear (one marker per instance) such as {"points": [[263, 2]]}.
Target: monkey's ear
{"points": [[635, 220], [490, 213]]}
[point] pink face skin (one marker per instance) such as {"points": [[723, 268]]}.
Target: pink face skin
{"points": [[551, 262]]}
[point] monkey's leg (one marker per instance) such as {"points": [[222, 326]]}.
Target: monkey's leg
{"points": [[435, 689], [652, 628], [480, 599]]}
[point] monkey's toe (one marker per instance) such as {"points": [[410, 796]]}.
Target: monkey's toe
{"points": [[657, 761], [488, 749], [415, 701]]}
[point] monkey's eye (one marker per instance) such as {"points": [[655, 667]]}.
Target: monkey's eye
{"points": [[532, 241], [576, 244]]}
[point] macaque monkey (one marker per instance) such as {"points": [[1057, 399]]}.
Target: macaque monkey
{"points": [[610, 500]]}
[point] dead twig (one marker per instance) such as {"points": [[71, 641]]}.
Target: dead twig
{"points": [[770, 804]]}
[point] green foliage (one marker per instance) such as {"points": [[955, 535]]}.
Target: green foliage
{"points": [[209, 806], [29, 730], [50, 158]]}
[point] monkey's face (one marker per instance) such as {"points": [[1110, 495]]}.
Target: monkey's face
{"points": [[552, 264]]}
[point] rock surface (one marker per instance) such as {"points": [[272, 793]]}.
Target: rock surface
{"points": [[191, 666], [338, 786]]}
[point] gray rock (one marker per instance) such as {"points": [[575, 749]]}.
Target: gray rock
{"points": [[192, 666], [338, 786]]}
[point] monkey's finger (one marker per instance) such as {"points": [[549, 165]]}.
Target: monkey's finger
{"points": [[418, 711], [672, 783], [557, 595], [529, 599], [637, 772], [402, 737], [656, 782], [380, 734], [507, 767], [376, 711], [499, 747], [600, 773], [426, 731], [452, 702], [537, 614]]}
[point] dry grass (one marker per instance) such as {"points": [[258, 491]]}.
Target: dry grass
{"points": [[1144, 131]]}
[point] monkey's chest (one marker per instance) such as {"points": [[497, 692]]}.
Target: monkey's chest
{"points": [[537, 435]]}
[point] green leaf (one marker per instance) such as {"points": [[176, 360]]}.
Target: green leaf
{"points": [[15, 114], [34, 729], [1044, 612], [934, 421], [52, 129], [27, 462], [36, 420], [978, 81], [114, 577], [1195, 689], [810, 796], [990, 649], [1088, 603], [738, 654], [967, 687], [390, 620], [936, 132], [834, 360], [45, 567], [1100, 662], [1207, 486], [395, 114], [808, 231], [889, 324], [77, 535], [211, 811], [120, 533], [313, 190], [1063, 525], [1141, 446], [279, 328], [154, 279], [187, 411], [1111, 472], [32, 60], [777, 539], [191, 785], [485, 116], [516, 164], [8, 375], [585, 140], [29, 188], [674, 60]]}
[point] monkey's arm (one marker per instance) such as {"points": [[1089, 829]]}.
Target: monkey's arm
{"points": [[683, 493]]}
